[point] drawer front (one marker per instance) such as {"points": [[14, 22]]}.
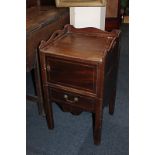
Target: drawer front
{"points": [[72, 74], [75, 100]]}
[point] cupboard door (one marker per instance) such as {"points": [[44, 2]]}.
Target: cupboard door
{"points": [[72, 74]]}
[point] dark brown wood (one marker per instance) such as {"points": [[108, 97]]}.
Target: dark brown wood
{"points": [[31, 3], [38, 86], [112, 23], [113, 75], [78, 68], [47, 2], [85, 103], [41, 22], [113, 15], [48, 109], [32, 98], [98, 122], [58, 72], [46, 97]]}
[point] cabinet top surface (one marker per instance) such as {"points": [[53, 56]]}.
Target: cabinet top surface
{"points": [[87, 43]]}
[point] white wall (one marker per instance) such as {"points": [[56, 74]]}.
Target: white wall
{"points": [[88, 17]]}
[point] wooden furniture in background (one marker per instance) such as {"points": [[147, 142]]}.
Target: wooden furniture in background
{"points": [[32, 3], [113, 15], [79, 3], [79, 72], [41, 22]]}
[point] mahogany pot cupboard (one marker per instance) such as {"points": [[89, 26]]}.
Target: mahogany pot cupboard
{"points": [[79, 72]]}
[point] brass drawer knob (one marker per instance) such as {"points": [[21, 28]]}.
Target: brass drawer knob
{"points": [[66, 96], [75, 99]]}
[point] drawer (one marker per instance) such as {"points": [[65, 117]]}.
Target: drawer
{"points": [[72, 74], [75, 100]]}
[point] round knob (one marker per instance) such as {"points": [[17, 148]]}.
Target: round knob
{"points": [[66, 96], [76, 99], [48, 68]]}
